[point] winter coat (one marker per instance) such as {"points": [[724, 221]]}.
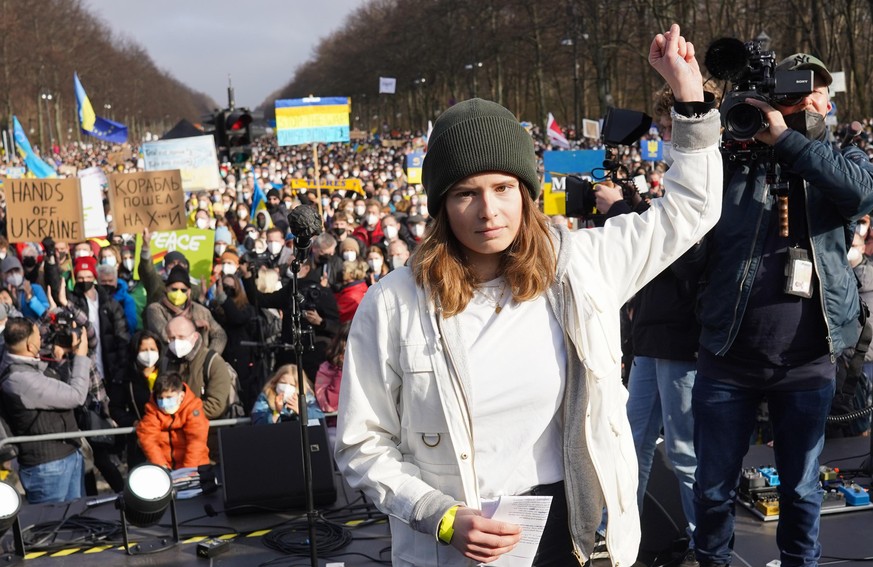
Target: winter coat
{"points": [[176, 441]]}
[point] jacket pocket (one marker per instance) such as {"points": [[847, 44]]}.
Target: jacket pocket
{"points": [[425, 425]]}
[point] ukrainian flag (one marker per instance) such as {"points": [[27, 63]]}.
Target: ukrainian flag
{"points": [[312, 119], [34, 164], [93, 125], [259, 204]]}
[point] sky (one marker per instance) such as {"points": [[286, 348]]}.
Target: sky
{"points": [[259, 42]]}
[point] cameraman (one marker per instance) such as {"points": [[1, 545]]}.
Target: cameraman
{"points": [[35, 402], [320, 314], [775, 312]]}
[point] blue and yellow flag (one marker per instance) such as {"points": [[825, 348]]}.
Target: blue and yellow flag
{"points": [[34, 163], [93, 125], [259, 204], [312, 119]]}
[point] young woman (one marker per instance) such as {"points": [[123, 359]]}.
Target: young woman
{"points": [[491, 366], [278, 400]]}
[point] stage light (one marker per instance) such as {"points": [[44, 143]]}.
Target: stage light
{"points": [[10, 506], [147, 494]]}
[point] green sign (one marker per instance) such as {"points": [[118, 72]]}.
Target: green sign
{"points": [[197, 245]]}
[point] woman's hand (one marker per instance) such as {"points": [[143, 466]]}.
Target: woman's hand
{"points": [[673, 57], [482, 539]]}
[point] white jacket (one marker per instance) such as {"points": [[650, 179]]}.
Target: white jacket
{"points": [[404, 432]]}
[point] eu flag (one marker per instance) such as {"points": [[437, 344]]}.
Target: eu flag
{"points": [[93, 125]]}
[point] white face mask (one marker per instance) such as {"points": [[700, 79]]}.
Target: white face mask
{"points": [[202, 224], [109, 261], [396, 262], [128, 263], [275, 247], [147, 358], [220, 248], [384, 199], [228, 269], [375, 264], [181, 347], [372, 220], [359, 211], [350, 255], [3, 254], [15, 280], [418, 230], [287, 390], [390, 232]]}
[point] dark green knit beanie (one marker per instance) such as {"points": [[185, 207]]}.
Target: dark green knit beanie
{"points": [[476, 136]]}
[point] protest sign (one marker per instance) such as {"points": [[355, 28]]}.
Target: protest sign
{"points": [[147, 199], [326, 185], [312, 119], [194, 157], [15, 172], [93, 185], [414, 163], [119, 157], [557, 166], [197, 245], [38, 208]]}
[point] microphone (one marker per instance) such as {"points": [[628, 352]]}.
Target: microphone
{"points": [[305, 224], [854, 129]]}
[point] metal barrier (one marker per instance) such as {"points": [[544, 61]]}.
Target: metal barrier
{"points": [[111, 431]]}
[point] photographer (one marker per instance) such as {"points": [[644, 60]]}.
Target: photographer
{"points": [[775, 311], [35, 402], [320, 316]]}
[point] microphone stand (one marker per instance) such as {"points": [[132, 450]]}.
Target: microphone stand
{"points": [[302, 410]]}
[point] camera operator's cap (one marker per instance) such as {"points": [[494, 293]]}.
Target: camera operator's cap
{"points": [[476, 136], [10, 263], [85, 264], [178, 275], [804, 61], [175, 256]]}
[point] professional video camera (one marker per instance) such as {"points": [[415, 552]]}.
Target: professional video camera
{"points": [[257, 260], [62, 330], [620, 128], [753, 73]]}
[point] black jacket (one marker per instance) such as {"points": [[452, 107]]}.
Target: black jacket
{"points": [[114, 334]]}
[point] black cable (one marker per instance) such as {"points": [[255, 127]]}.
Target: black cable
{"points": [[846, 558], [293, 539], [79, 530]]}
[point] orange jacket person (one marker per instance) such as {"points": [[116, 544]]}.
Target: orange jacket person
{"points": [[173, 431]]}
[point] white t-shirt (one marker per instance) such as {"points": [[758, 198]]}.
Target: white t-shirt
{"points": [[517, 361]]}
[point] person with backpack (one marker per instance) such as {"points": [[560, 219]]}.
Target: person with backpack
{"points": [[201, 368]]}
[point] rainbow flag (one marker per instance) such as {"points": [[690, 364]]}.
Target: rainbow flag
{"points": [[312, 119]]}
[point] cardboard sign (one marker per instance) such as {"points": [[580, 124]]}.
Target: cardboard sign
{"points": [[93, 183], [195, 157], [147, 199], [119, 157], [38, 208], [198, 246]]}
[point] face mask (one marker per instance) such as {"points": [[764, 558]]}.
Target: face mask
{"points": [[170, 405], [220, 248], [359, 211], [177, 297], [325, 202], [128, 263], [28, 262], [242, 213], [350, 255], [204, 205], [396, 198], [3, 254], [372, 220], [109, 261], [384, 199], [147, 358], [286, 390], [288, 205], [275, 247], [181, 347], [810, 124], [15, 280], [202, 224], [418, 230], [84, 287], [228, 269], [396, 262], [375, 264], [854, 256], [230, 291], [862, 228], [108, 289], [390, 232]]}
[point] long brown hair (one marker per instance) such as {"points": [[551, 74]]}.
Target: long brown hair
{"points": [[528, 265]]}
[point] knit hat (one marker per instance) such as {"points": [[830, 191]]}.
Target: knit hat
{"points": [[178, 275], [85, 264], [476, 136], [175, 256], [230, 256], [222, 234], [802, 61], [274, 193], [10, 263]]}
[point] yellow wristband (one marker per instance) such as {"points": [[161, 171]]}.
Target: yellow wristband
{"points": [[447, 525]]}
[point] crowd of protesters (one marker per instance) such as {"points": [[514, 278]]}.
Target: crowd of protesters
{"points": [[167, 351]]}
